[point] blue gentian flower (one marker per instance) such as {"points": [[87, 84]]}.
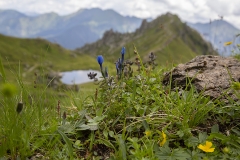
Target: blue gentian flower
{"points": [[100, 61], [123, 51]]}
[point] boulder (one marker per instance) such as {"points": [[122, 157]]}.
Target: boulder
{"points": [[211, 75]]}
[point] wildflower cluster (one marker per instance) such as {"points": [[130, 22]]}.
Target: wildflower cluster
{"points": [[123, 67], [151, 62], [155, 121]]}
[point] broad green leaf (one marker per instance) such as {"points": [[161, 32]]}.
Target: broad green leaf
{"points": [[215, 128], [202, 137], [176, 154], [111, 134], [192, 141], [67, 128], [105, 133], [83, 127], [99, 111], [236, 131], [145, 125], [122, 147], [106, 143], [68, 143]]}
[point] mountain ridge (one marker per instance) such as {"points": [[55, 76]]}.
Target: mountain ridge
{"points": [[165, 36]]}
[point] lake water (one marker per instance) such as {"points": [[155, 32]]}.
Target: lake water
{"points": [[78, 76]]}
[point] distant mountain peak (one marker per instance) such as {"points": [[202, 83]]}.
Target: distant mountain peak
{"points": [[11, 11], [217, 32], [70, 31]]}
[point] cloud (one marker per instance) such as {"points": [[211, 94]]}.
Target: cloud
{"points": [[188, 10]]}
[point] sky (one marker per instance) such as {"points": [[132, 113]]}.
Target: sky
{"points": [[187, 10]]}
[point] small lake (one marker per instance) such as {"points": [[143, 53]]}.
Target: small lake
{"points": [[78, 76]]}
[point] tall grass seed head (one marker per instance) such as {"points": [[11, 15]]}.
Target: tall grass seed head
{"points": [[19, 107], [64, 116]]}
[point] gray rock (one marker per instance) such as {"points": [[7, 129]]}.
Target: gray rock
{"points": [[211, 74]]}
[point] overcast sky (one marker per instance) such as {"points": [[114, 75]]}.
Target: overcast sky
{"points": [[188, 10]]}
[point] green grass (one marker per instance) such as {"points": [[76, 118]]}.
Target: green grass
{"points": [[134, 118], [38, 51], [37, 55]]}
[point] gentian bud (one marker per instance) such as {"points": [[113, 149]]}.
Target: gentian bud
{"points": [[123, 51], [100, 61]]}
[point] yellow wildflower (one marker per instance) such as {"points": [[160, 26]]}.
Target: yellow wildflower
{"points": [[163, 139], [206, 147], [148, 133], [227, 43]]}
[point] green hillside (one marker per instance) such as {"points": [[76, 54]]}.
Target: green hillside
{"points": [[170, 39], [35, 55]]}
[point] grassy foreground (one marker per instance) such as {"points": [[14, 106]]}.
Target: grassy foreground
{"points": [[128, 116]]}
